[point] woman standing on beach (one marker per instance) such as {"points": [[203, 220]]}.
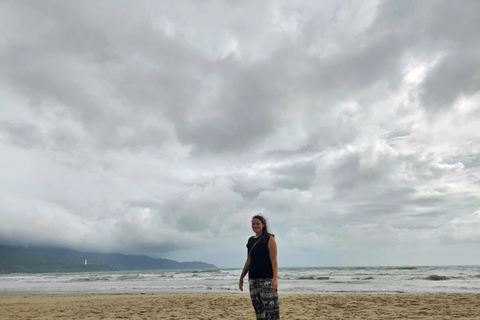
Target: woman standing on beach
{"points": [[262, 269]]}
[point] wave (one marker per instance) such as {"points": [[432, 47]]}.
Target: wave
{"points": [[435, 277], [366, 278], [312, 278], [201, 271], [90, 279]]}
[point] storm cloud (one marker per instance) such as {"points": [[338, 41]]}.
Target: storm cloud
{"points": [[161, 128]]}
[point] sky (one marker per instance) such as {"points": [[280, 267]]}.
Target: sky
{"points": [[162, 127]]}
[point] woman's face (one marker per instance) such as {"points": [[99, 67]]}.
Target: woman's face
{"points": [[257, 225]]}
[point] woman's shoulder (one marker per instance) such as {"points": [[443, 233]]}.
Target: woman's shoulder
{"points": [[272, 238]]}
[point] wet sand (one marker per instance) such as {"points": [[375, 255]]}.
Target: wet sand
{"points": [[183, 306]]}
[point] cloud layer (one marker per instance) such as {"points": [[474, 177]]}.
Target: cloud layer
{"points": [[161, 128]]}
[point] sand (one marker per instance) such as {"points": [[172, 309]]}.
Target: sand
{"points": [[237, 306]]}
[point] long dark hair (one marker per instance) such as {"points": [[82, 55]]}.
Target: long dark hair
{"points": [[265, 233]]}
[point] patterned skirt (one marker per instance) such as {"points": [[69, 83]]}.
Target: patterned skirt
{"points": [[264, 300]]}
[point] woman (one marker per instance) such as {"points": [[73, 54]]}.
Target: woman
{"points": [[262, 269]]}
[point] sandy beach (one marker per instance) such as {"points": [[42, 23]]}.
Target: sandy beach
{"points": [[237, 306]]}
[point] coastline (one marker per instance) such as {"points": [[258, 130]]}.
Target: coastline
{"points": [[183, 306]]}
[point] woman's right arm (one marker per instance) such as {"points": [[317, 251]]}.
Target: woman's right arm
{"points": [[244, 273]]}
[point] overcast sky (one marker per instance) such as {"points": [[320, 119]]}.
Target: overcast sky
{"points": [[162, 127]]}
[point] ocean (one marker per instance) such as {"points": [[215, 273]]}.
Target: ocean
{"points": [[323, 280]]}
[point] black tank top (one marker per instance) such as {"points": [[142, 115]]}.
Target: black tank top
{"points": [[260, 264]]}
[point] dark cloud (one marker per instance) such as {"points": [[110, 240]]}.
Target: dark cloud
{"points": [[364, 173], [468, 160], [442, 30], [23, 134], [295, 176], [247, 105], [455, 76]]}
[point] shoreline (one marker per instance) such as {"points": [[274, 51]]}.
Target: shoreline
{"points": [[185, 306]]}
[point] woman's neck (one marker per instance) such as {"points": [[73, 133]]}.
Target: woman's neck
{"points": [[258, 234]]}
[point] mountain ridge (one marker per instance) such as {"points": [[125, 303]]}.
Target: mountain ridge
{"points": [[17, 259]]}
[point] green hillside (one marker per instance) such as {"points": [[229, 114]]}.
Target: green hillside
{"points": [[25, 260], [38, 260]]}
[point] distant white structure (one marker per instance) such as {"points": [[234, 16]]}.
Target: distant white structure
{"points": [[85, 261]]}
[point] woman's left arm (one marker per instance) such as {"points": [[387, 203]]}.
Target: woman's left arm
{"points": [[272, 247]]}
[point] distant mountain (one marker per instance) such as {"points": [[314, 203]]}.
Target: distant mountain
{"points": [[14, 259], [31, 260]]}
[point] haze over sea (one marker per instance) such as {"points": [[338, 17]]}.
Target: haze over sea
{"points": [[421, 279]]}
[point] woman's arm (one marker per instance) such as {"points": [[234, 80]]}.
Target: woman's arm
{"points": [[244, 273], [272, 247]]}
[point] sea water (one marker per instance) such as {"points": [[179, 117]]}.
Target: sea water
{"points": [[421, 279]]}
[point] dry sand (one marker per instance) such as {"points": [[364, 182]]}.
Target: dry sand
{"points": [[237, 306]]}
